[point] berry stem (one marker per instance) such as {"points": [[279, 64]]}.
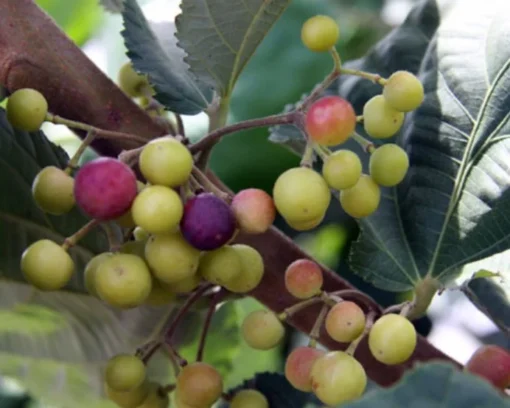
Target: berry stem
{"points": [[316, 329], [214, 136], [176, 358], [358, 297], [130, 157], [190, 301], [355, 343], [73, 162], [180, 125], [113, 241], [72, 240], [218, 296], [208, 184], [322, 151], [376, 78], [366, 144], [101, 133], [291, 310], [167, 389], [148, 350], [307, 159], [359, 119]]}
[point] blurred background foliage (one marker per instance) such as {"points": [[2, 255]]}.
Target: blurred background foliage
{"points": [[278, 74]]}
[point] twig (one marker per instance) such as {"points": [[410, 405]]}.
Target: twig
{"points": [[366, 144], [291, 310], [376, 78], [73, 162], [218, 296], [72, 240], [316, 329], [358, 297]]}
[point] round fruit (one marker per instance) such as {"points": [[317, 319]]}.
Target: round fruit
{"points": [[249, 399], [157, 209], [298, 367], [166, 161], [252, 270], [140, 234], [46, 265], [186, 285], [126, 220], [338, 377], [105, 188], [345, 322], [128, 399], [392, 339], [26, 109], [330, 121], [155, 398], [208, 222], [262, 330], [403, 91], [199, 385], [388, 165], [361, 200], [303, 278], [125, 372], [123, 280], [301, 195], [52, 189], [380, 120], [160, 295], [91, 270], [342, 169], [320, 33], [131, 82], [492, 363], [221, 265], [305, 225], [254, 210], [171, 258]]}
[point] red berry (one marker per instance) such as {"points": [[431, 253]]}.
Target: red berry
{"points": [[303, 278], [208, 222], [299, 366], [105, 188], [254, 210], [491, 363], [330, 121]]}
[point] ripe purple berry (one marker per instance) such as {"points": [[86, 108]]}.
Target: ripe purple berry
{"points": [[105, 188], [208, 222]]}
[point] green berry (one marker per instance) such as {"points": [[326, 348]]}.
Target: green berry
{"points": [[221, 265], [125, 372], [128, 399], [123, 281], [361, 200], [186, 285], [140, 234], [131, 82], [249, 399], [403, 91], [252, 270], [91, 270], [342, 169], [305, 225], [157, 209], [46, 265], [166, 161], [262, 330], [301, 195], [155, 398], [320, 33], [160, 295], [380, 120], [27, 109], [171, 257], [388, 165], [392, 339], [52, 190]]}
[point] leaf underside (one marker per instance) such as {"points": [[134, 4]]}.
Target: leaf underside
{"points": [[452, 207], [153, 51], [220, 37], [113, 6]]}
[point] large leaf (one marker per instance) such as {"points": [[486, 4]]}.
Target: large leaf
{"points": [[221, 36], [162, 60], [451, 208]]}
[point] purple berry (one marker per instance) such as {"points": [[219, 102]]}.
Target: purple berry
{"points": [[208, 222], [105, 188]]}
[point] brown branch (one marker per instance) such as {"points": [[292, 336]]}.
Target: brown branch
{"points": [[35, 53]]}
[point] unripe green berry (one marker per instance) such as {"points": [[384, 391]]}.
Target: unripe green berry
{"points": [[388, 165], [131, 82], [404, 91], [342, 169], [320, 33], [361, 200], [125, 372], [52, 190], [27, 109], [380, 120]]}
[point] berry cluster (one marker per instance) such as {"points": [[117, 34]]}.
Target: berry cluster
{"points": [[179, 230], [336, 376]]}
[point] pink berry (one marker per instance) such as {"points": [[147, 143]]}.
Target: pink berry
{"points": [[105, 188], [491, 363], [254, 210], [208, 222], [303, 278], [299, 366]]}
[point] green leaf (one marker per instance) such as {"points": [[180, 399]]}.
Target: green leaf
{"points": [[78, 18], [113, 6], [435, 385], [153, 51], [221, 37], [489, 296], [451, 209]]}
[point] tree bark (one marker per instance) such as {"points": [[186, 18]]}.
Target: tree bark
{"points": [[35, 53]]}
